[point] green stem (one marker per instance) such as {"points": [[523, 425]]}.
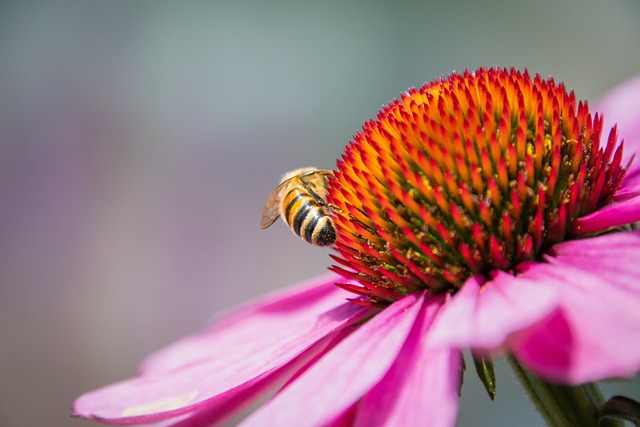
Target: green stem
{"points": [[563, 406]]}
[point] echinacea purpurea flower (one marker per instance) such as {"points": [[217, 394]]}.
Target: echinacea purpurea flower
{"points": [[487, 211]]}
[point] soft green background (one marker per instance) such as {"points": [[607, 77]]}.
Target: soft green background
{"points": [[138, 142]]}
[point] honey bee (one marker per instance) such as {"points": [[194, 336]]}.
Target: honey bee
{"points": [[300, 200]]}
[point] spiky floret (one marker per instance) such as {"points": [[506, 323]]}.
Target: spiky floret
{"points": [[468, 174]]}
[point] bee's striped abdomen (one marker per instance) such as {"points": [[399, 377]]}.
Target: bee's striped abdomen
{"points": [[307, 218]]}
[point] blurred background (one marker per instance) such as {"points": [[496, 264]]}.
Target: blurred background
{"points": [[139, 140]]}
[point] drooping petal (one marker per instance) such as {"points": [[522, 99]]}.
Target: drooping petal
{"points": [[421, 388], [281, 337], [252, 325], [347, 418], [621, 105], [215, 414], [614, 215], [345, 374], [596, 332], [485, 317]]}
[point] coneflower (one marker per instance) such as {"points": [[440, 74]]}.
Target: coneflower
{"points": [[487, 211]]}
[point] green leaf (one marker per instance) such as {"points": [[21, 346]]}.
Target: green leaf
{"points": [[484, 368]]}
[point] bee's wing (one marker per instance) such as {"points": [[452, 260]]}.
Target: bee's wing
{"points": [[271, 210]]}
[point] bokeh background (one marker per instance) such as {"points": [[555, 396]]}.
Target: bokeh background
{"points": [[138, 142]]}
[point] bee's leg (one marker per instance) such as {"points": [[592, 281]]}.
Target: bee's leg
{"points": [[322, 202], [336, 209], [340, 212], [346, 214], [309, 187]]}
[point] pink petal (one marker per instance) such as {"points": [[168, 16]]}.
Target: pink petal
{"points": [[247, 326], [622, 105], [613, 215], [630, 186], [603, 248], [248, 352], [421, 388], [596, 332], [347, 418], [345, 374], [485, 316], [215, 414]]}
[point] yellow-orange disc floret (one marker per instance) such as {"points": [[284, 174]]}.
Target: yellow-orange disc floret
{"points": [[468, 174]]}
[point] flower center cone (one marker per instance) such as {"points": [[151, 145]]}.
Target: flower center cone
{"points": [[468, 174]]}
